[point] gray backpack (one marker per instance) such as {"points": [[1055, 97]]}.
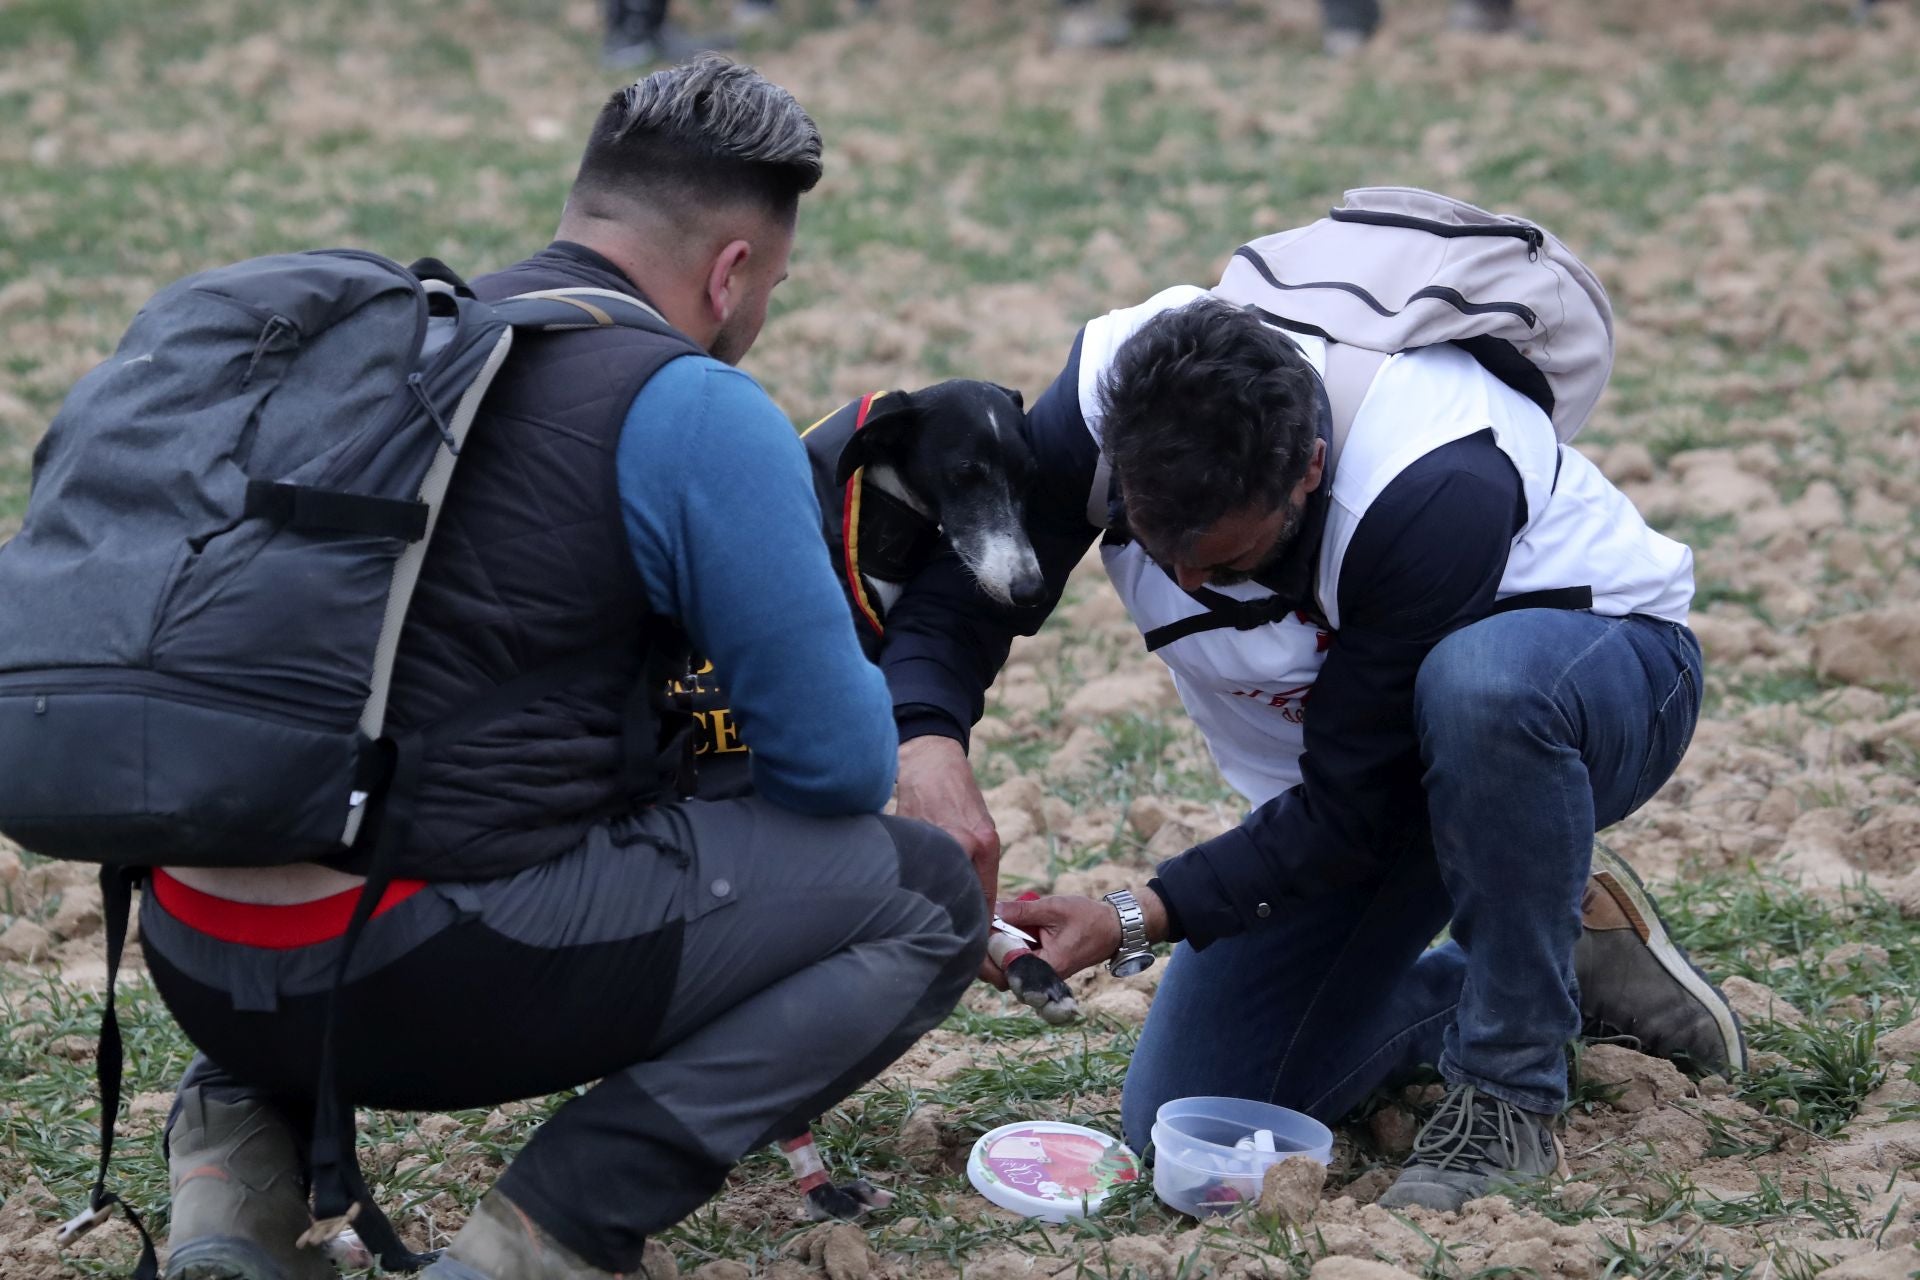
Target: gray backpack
{"points": [[1396, 268], [203, 606]]}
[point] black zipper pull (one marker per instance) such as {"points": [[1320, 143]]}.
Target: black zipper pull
{"points": [[417, 384], [1536, 241]]}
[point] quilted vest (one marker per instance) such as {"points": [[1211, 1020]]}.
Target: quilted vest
{"points": [[530, 567]]}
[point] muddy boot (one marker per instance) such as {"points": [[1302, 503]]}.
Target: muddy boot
{"points": [[1637, 984], [500, 1242], [239, 1195], [1473, 1144]]}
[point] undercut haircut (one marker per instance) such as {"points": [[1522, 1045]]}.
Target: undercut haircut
{"points": [[1207, 412], [698, 136]]}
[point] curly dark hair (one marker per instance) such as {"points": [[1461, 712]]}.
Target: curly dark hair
{"points": [[1208, 411]]}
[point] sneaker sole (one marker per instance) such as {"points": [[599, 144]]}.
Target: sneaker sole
{"points": [[1613, 874]]}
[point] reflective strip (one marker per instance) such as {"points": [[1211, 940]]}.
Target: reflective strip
{"points": [[574, 296], [850, 531]]}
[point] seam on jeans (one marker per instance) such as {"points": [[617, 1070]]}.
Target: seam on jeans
{"points": [[1683, 681], [1306, 1014], [1391, 1042], [1566, 672], [1313, 1003]]}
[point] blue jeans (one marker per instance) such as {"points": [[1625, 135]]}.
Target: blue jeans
{"points": [[1536, 728]]}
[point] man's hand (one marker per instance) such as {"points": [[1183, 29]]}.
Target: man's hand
{"points": [[1077, 933], [936, 785], [1074, 933]]}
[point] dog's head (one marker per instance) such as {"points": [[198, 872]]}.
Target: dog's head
{"points": [[960, 449]]}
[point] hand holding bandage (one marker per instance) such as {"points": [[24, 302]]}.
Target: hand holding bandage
{"points": [[1031, 979], [1076, 933]]}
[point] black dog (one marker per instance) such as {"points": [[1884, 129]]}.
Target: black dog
{"points": [[898, 472]]}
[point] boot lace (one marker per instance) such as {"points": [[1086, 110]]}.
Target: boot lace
{"points": [[1600, 1031], [1468, 1132]]}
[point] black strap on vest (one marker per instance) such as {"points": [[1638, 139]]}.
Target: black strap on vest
{"points": [[1222, 611], [1552, 598], [1245, 615]]}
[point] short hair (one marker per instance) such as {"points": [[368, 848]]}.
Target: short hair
{"points": [[706, 133], [1207, 411]]}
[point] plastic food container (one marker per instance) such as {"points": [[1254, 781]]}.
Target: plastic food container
{"points": [[1211, 1154], [1049, 1170]]}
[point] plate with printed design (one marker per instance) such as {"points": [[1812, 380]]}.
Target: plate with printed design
{"points": [[1048, 1169]]}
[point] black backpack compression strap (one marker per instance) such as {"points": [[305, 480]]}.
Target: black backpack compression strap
{"points": [[1222, 611], [116, 898], [341, 1196]]}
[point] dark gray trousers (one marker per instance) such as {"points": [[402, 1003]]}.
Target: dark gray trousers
{"points": [[726, 970]]}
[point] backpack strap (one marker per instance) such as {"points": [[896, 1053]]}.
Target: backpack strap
{"points": [[116, 901], [557, 310], [1100, 493], [340, 1192], [406, 571], [1350, 372], [341, 1196]]}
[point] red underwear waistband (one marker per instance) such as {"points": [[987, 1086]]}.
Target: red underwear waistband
{"points": [[282, 928]]}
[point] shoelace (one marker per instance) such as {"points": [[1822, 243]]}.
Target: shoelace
{"points": [[1465, 1136], [1600, 1031]]}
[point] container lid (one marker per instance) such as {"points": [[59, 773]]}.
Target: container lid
{"points": [[1049, 1170]]}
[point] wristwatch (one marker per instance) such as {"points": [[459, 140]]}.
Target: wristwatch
{"points": [[1133, 956]]}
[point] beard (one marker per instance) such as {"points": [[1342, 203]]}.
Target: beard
{"points": [[731, 344], [1289, 530]]}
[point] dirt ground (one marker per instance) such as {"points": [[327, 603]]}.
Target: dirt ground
{"points": [[1740, 173]]}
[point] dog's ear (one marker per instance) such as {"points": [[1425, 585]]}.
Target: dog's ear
{"points": [[890, 420], [1014, 396]]}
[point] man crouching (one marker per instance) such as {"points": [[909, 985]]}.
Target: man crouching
{"points": [[727, 971]]}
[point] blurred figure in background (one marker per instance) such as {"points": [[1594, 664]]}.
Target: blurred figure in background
{"points": [[638, 32], [1347, 24]]}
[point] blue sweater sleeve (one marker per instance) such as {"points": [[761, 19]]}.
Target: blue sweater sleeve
{"points": [[1425, 561], [721, 515]]}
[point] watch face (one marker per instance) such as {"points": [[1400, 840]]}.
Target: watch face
{"points": [[1127, 966]]}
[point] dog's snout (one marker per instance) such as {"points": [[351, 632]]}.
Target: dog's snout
{"points": [[1028, 588]]}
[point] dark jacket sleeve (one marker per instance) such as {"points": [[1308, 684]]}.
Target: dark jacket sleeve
{"points": [[1425, 561], [946, 639]]}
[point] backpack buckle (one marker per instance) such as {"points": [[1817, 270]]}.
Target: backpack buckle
{"points": [[84, 1221]]}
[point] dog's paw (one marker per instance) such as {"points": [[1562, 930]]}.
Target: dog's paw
{"points": [[845, 1203], [1034, 983]]}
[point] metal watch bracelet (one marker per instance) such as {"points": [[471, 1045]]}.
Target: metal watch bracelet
{"points": [[1132, 956]]}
